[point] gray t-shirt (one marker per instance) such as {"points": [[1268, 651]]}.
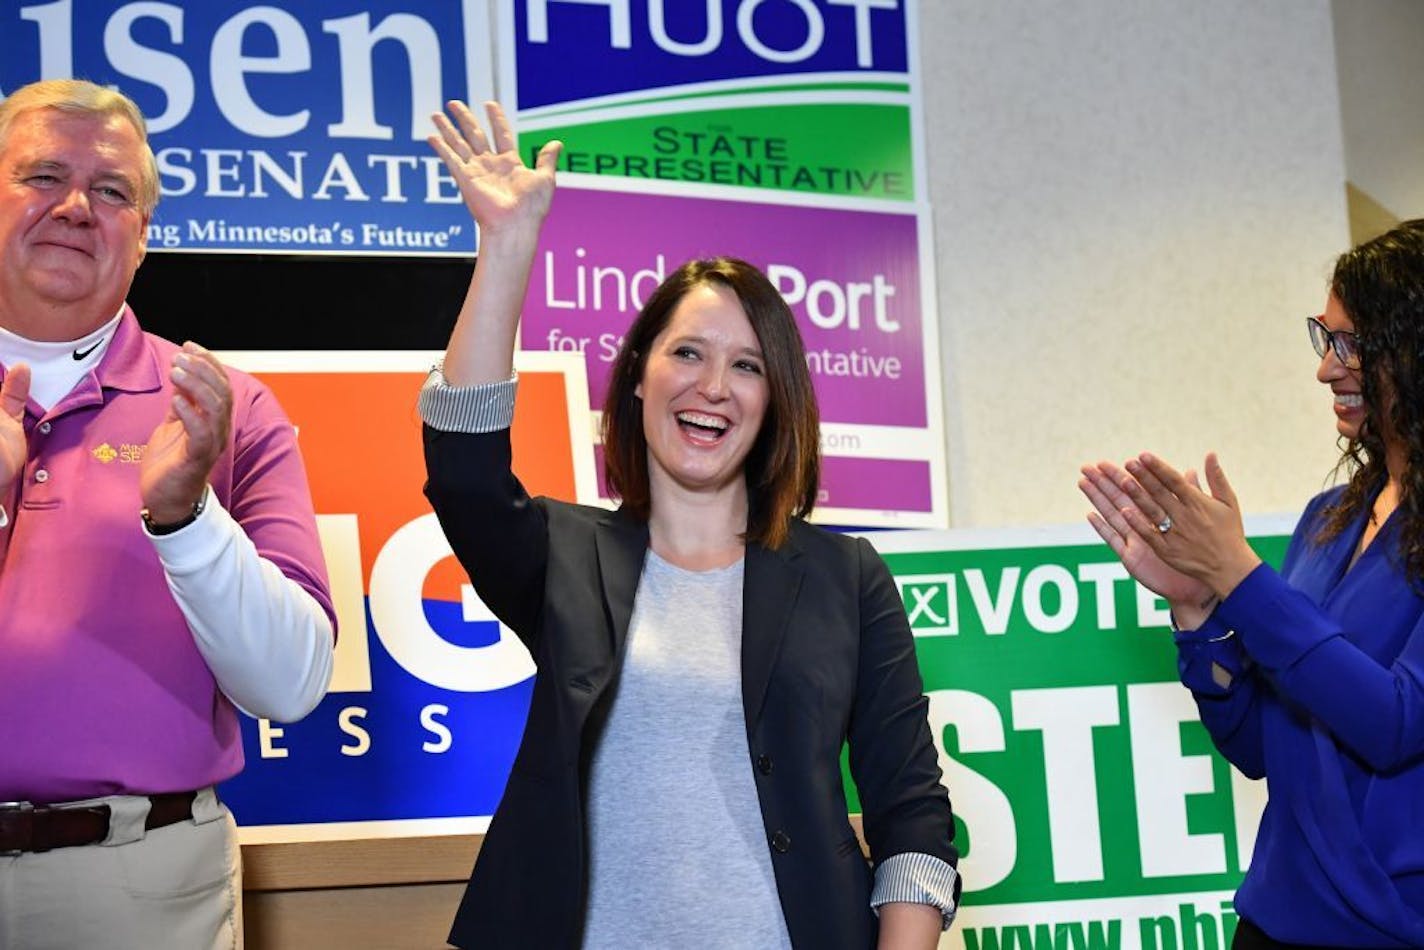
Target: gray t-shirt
{"points": [[678, 854]]}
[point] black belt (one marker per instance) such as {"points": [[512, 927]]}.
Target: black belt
{"points": [[28, 827]]}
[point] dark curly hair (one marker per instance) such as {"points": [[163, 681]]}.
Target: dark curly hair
{"points": [[1380, 284]]}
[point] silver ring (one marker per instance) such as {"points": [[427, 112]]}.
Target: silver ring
{"points": [[1165, 524]]}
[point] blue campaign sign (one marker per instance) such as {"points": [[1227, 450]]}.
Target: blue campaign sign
{"points": [[575, 50], [278, 126], [406, 750]]}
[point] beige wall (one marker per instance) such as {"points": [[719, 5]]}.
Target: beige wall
{"points": [[1377, 51], [1136, 205]]}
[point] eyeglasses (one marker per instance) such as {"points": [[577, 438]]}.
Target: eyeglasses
{"points": [[1345, 344]]}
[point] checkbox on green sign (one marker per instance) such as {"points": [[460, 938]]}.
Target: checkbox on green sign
{"points": [[930, 603]]}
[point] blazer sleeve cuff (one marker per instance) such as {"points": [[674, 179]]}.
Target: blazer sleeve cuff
{"points": [[477, 409], [913, 877]]}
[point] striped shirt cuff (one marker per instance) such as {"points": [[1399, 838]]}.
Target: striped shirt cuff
{"points": [[913, 877], [483, 407]]}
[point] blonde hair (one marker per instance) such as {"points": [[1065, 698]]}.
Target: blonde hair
{"points": [[81, 97]]}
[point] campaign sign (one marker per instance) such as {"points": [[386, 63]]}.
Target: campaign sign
{"points": [[856, 281], [798, 95], [427, 703], [1092, 810], [278, 126]]}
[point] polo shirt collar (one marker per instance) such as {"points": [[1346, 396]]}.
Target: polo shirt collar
{"points": [[129, 365]]}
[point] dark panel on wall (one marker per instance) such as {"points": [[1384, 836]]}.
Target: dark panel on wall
{"points": [[289, 302]]}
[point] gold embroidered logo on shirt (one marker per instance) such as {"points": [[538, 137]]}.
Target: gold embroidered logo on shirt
{"points": [[129, 453]]}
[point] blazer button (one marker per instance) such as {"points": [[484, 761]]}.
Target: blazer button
{"points": [[781, 841], [764, 764]]}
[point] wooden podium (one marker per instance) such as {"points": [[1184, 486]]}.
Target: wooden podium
{"points": [[377, 893], [372, 894]]}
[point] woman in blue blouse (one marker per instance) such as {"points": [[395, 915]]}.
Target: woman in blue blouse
{"points": [[1314, 676]]}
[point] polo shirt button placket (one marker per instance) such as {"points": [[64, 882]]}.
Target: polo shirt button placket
{"points": [[780, 841], [45, 427], [42, 476]]}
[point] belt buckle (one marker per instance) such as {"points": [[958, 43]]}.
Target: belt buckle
{"points": [[19, 808]]}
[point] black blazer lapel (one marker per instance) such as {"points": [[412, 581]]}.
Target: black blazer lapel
{"points": [[770, 586], [622, 544]]}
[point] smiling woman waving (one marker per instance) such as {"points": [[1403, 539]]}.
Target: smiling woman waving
{"points": [[703, 653]]}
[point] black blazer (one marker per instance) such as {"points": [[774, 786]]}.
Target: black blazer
{"points": [[827, 656]]}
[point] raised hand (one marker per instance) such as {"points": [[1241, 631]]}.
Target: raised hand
{"points": [[185, 445], [508, 201], [14, 450], [500, 191], [1197, 533]]}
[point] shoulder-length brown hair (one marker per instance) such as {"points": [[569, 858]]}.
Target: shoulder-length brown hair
{"points": [[1380, 284], [783, 468]]}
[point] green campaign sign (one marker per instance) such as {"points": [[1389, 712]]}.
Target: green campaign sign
{"points": [[1091, 808], [768, 146], [817, 97]]}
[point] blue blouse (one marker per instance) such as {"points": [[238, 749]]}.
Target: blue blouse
{"points": [[1314, 678]]}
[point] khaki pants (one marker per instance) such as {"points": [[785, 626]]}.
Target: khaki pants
{"points": [[177, 887]]}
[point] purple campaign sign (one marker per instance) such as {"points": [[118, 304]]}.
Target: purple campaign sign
{"points": [[873, 484], [851, 277]]}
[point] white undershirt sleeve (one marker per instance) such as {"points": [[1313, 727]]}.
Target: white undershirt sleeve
{"points": [[266, 639]]}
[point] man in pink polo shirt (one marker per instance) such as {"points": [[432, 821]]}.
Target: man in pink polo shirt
{"points": [[159, 561]]}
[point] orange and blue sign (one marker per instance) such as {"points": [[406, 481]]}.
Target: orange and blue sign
{"points": [[427, 704]]}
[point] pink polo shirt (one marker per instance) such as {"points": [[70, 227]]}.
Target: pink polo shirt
{"points": [[102, 690]]}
